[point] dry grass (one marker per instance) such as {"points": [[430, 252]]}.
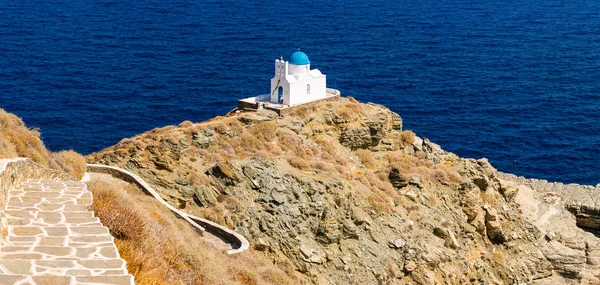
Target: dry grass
{"points": [[330, 151], [71, 162], [490, 197], [17, 140], [350, 111], [161, 249], [304, 112], [498, 257], [288, 140], [265, 131], [367, 159], [383, 193], [215, 213], [416, 165], [247, 144], [120, 218], [221, 128], [407, 138], [299, 163]]}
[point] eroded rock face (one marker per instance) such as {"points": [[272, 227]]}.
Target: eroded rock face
{"points": [[356, 136], [389, 213]]}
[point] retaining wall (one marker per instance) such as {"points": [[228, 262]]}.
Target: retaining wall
{"points": [[199, 223]]}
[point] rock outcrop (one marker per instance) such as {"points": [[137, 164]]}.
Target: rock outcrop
{"points": [[339, 191]]}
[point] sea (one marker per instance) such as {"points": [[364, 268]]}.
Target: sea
{"points": [[517, 82]]}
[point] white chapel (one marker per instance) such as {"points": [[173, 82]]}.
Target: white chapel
{"points": [[295, 83]]}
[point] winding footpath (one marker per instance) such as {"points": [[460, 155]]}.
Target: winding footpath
{"points": [[53, 238]]}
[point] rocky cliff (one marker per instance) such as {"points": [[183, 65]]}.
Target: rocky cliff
{"points": [[340, 191]]}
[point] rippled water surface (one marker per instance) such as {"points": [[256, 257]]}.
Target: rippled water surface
{"points": [[517, 82]]}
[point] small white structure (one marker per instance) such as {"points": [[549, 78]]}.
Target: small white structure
{"points": [[295, 83]]}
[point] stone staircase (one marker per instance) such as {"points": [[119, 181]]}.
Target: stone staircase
{"points": [[54, 238]]}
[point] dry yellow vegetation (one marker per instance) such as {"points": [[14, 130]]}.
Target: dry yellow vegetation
{"points": [[17, 140], [143, 230]]}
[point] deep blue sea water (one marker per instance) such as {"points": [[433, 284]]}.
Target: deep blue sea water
{"points": [[515, 81]]}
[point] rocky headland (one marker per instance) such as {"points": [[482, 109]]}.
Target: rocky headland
{"points": [[346, 196]]}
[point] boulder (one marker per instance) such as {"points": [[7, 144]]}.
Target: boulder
{"points": [[508, 189], [356, 136], [377, 131], [201, 141], [204, 196], [226, 172], [493, 227], [396, 178]]}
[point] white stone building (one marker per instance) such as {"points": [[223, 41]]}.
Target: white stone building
{"points": [[295, 83]]}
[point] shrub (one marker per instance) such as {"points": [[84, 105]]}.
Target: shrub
{"points": [[122, 221], [265, 131], [18, 140], [299, 163], [276, 277], [366, 158], [351, 111], [288, 140], [221, 128], [321, 165], [246, 278], [71, 162], [248, 144], [381, 203], [407, 138], [235, 126]]}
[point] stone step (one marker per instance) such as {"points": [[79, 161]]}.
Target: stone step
{"points": [[51, 194], [59, 267], [25, 202], [45, 215], [51, 188], [58, 252], [74, 241], [62, 267], [93, 221], [116, 279], [52, 207], [51, 231]]}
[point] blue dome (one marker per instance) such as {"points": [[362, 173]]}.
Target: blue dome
{"points": [[299, 58]]}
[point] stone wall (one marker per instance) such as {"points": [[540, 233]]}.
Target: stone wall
{"points": [[333, 94], [199, 223], [17, 170]]}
